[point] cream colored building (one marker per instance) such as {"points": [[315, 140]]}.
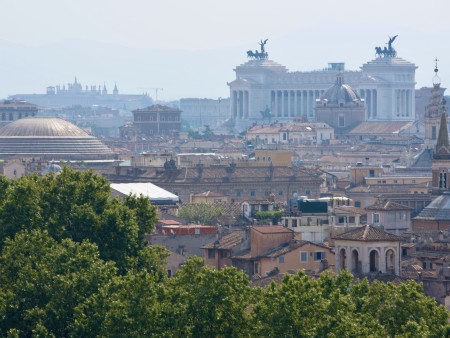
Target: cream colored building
{"points": [[386, 84], [291, 133], [368, 250]]}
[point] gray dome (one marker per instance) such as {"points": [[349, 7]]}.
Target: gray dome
{"points": [[438, 209], [50, 138], [340, 92]]}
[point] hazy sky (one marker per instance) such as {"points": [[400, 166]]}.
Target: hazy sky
{"points": [[303, 35]]}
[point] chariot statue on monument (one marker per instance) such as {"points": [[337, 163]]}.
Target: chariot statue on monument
{"points": [[388, 52], [262, 54]]}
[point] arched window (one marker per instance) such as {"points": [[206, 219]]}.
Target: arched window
{"points": [[374, 258], [390, 260]]}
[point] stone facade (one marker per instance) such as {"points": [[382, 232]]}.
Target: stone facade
{"points": [[341, 108], [386, 84], [11, 110], [367, 250], [157, 120], [238, 182]]}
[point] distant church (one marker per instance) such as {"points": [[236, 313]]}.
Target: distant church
{"points": [[340, 107], [74, 95], [436, 216]]}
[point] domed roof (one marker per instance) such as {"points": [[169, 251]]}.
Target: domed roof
{"points": [[438, 209], [340, 92], [42, 127], [50, 138]]}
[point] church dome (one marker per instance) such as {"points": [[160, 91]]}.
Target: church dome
{"points": [[438, 209], [50, 138], [340, 92]]}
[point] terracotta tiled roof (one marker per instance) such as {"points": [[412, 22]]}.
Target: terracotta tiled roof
{"points": [[368, 233], [287, 247], [349, 208], [226, 242], [272, 229], [169, 222], [387, 206]]}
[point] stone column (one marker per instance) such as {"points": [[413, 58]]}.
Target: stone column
{"points": [[408, 102], [288, 103], [295, 112], [272, 101], [246, 104], [241, 104], [397, 102], [382, 262], [375, 103], [276, 112], [234, 104]]}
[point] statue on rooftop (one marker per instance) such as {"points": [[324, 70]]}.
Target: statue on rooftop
{"points": [[386, 52], [259, 55]]}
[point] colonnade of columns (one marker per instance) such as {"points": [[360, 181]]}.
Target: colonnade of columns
{"points": [[403, 98], [240, 105], [370, 97], [289, 103]]}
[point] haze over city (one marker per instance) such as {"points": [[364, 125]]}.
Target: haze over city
{"points": [[190, 48]]}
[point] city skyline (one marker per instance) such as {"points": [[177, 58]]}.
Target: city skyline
{"points": [[145, 45]]}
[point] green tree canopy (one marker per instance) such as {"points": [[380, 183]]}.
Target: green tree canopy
{"points": [[77, 205], [339, 307], [43, 281], [202, 213]]}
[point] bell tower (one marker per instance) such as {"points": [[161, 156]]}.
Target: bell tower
{"points": [[441, 158], [434, 111]]}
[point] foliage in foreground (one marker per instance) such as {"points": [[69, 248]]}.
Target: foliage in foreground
{"points": [[77, 205], [64, 289], [73, 263]]}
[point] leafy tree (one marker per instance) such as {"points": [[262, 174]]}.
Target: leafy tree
{"points": [[202, 213], [42, 281], [210, 302], [20, 207], [273, 216], [145, 213], [338, 307], [77, 205], [128, 306]]}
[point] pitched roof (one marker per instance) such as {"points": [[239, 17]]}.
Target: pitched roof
{"points": [[368, 233], [349, 208], [288, 247], [272, 229], [227, 242], [442, 145], [387, 206], [380, 127]]}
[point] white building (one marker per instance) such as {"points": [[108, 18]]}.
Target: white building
{"points": [[386, 84]]}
